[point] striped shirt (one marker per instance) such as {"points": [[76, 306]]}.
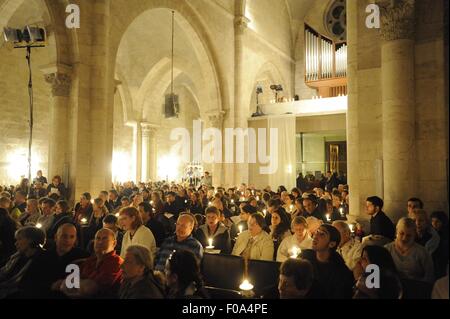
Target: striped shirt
{"points": [[171, 244]]}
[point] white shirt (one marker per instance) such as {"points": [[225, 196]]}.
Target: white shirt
{"points": [[351, 252], [285, 249], [143, 237]]}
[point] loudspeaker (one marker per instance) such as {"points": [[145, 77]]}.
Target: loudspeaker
{"points": [[171, 106]]}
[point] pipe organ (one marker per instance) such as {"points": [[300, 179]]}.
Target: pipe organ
{"points": [[325, 64]]}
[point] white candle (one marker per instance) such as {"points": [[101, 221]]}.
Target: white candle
{"points": [[295, 252], [240, 229], [84, 220], [246, 285], [328, 217], [232, 201], [92, 201], [209, 204], [351, 228], [257, 197], [264, 212], [117, 214], [38, 225], [341, 210], [151, 202], [291, 208], [210, 244]]}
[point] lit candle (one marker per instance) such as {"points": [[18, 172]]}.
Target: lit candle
{"points": [[328, 217], [210, 244], [84, 220], [232, 201], [257, 197], [295, 252], [246, 285], [291, 208], [351, 228], [240, 229], [242, 199], [185, 201], [209, 204], [92, 201], [38, 225], [341, 211], [151, 202], [264, 212], [154, 210], [117, 214]]}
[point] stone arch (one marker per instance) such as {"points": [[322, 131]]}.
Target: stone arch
{"points": [[198, 34], [267, 74]]}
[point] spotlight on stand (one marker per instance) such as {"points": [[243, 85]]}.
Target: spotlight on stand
{"points": [[276, 88], [259, 112], [30, 37]]}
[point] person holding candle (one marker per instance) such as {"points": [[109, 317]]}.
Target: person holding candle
{"points": [[288, 203], [349, 248], [300, 239], [254, 243], [279, 229], [83, 209], [332, 274], [99, 211], [215, 231], [135, 232]]}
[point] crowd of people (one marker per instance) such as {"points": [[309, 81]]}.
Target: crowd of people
{"points": [[148, 241]]}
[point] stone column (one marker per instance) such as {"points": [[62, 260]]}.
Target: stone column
{"points": [[398, 104], [60, 81], [148, 152], [240, 114], [216, 121], [356, 204]]}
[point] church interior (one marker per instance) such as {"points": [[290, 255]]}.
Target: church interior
{"points": [[282, 146]]}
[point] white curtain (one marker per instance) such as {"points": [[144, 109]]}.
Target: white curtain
{"points": [[286, 172]]}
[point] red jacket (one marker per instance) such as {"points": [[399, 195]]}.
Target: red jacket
{"points": [[107, 274]]}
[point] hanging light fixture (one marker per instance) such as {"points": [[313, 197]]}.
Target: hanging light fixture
{"points": [[171, 106]]}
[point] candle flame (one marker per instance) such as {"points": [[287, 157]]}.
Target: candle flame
{"points": [[246, 285]]}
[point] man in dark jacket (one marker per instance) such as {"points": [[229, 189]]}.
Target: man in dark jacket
{"points": [[216, 231], [311, 206], [172, 206], [334, 278], [380, 224]]}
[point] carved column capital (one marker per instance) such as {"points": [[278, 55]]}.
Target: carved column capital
{"points": [[397, 19], [60, 82]]}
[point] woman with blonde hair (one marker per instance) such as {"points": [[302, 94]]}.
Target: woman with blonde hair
{"points": [[299, 240], [411, 259]]}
